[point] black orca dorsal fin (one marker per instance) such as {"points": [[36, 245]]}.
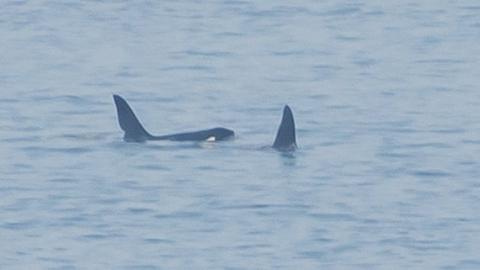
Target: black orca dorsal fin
{"points": [[285, 139], [134, 131]]}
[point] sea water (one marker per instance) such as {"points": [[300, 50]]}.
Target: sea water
{"points": [[386, 100]]}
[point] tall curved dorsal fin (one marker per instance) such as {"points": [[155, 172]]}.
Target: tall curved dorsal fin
{"points": [[129, 123], [285, 139]]}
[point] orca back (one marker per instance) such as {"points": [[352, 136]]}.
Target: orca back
{"points": [[134, 131], [214, 134], [285, 139]]}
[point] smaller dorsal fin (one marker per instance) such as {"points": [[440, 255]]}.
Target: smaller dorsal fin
{"points": [[285, 139]]}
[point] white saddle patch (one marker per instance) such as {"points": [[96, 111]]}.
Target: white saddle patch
{"points": [[211, 139]]}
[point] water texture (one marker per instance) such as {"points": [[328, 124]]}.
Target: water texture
{"points": [[385, 95]]}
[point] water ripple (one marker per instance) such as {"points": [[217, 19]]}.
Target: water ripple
{"points": [[68, 150], [431, 173]]}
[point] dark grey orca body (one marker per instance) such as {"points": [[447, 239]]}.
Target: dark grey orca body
{"points": [[135, 132], [285, 139]]}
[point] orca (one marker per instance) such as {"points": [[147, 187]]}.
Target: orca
{"points": [[135, 132], [285, 139]]}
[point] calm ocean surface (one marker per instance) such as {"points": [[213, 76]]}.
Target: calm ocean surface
{"points": [[386, 97]]}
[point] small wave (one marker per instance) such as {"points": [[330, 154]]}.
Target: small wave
{"points": [[99, 236], [265, 206], [428, 145], [333, 217], [430, 173], [153, 167], [19, 225], [139, 210], [191, 67], [157, 241], [207, 53], [181, 214], [68, 150], [22, 139]]}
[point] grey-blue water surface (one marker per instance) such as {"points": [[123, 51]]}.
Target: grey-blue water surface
{"points": [[385, 95]]}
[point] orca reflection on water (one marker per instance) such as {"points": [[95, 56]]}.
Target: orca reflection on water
{"points": [[285, 139], [135, 132]]}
